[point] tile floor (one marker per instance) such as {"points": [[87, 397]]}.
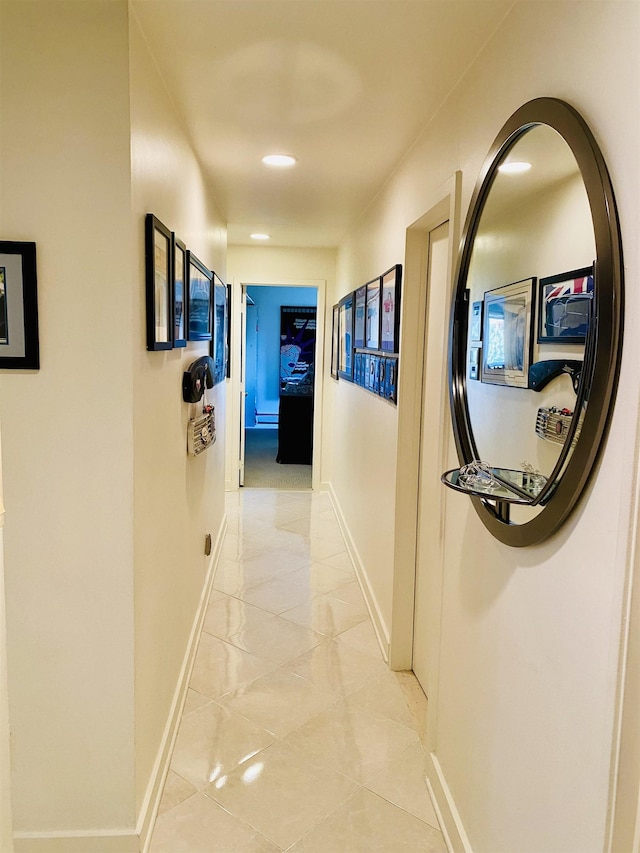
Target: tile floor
{"points": [[295, 735]]}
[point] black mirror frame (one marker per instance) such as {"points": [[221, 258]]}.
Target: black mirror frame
{"points": [[604, 344]]}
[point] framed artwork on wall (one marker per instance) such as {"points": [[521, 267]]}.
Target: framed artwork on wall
{"points": [[219, 339], [359, 322], [345, 337], [19, 341], [229, 293], [475, 322], [508, 334], [335, 341], [199, 300], [390, 314], [159, 284], [372, 326], [565, 304], [179, 296]]}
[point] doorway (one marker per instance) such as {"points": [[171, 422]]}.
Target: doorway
{"points": [[278, 393]]}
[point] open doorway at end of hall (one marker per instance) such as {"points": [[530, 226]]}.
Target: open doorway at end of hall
{"points": [[280, 347]]}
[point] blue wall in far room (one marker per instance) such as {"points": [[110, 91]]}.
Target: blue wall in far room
{"points": [[268, 302]]}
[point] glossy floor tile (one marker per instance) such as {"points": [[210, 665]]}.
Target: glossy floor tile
{"points": [[295, 735]]}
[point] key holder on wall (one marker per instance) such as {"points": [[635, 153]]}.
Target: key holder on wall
{"points": [[196, 377]]}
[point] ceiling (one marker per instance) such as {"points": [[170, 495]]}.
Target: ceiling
{"points": [[344, 85]]}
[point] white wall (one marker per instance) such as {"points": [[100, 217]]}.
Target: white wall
{"points": [[530, 638], [67, 429], [106, 515], [178, 499]]}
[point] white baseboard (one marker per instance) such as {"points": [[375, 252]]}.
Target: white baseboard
{"points": [[151, 802], [134, 841], [379, 627], [453, 831], [76, 842]]}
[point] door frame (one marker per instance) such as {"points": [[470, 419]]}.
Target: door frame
{"points": [[234, 424], [445, 206]]}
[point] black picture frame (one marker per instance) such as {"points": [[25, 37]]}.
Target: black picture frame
{"points": [[359, 318], [345, 337], [199, 300], [390, 288], [372, 324], [218, 346], [391, 379], [508, 334], [19, 338], [565, 306], [159, 284], [179, 293], [229, 295], [335, 341]]}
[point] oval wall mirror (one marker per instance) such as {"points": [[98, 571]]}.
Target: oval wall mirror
{"points": [[536, 329]]}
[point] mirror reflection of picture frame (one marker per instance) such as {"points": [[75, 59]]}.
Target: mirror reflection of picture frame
{"points": [[565, 305], [179, 294], [360, 308], [475, 321], [390, 309], [199, 304], [159, 284], [474, 363], [345, 337], [19, 340], [335, 341], [372, 326], [508, 334]]}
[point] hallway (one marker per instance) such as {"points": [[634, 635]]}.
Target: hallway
{"points": [[295, 735]]}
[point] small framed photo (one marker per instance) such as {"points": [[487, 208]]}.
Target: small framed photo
{"points": [[159, 275], [475, 321], [565, 304], [508, 334], [390, 318], [199, 296], [229, 294], [335, 341], [372, 325], [360, 308], [391, 379], [474, 362], [218, 347], [19, 341], [179, 295], [345, 337]]}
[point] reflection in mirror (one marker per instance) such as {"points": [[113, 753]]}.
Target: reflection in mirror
{"points": [[530, 291]]}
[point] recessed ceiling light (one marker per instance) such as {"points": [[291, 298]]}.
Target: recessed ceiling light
{"points": [[260, 237], [514, 168], [281, 161]]}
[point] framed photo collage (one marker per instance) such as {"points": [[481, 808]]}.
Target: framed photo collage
{"points": [[366, 335]]}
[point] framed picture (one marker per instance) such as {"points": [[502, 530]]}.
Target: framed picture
{"points": [[565, 304], [199, 295], [372, 324], [390, 316], [345, 337], [390, 379], [360, 307], [508, 334], [179, 298], [159, 275], [474, 362], [19, 341], [475, 322], [335, 342], [219, 340], [229, 293]]}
